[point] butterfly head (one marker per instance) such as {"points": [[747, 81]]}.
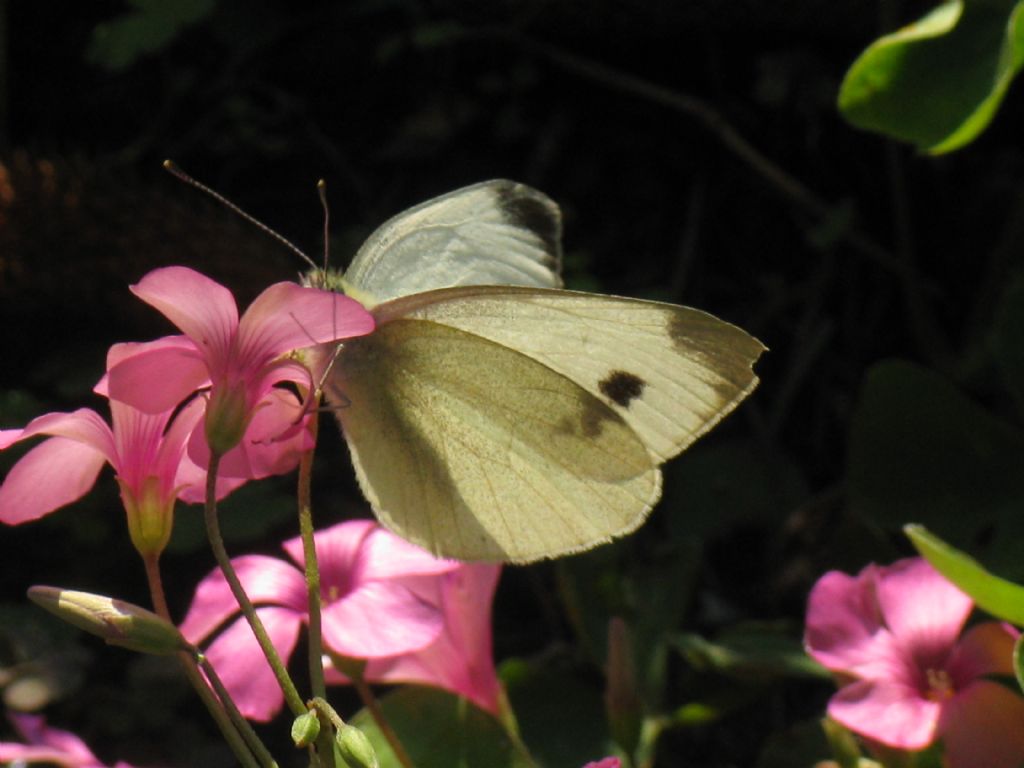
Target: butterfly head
{"points": [[334, 280]]}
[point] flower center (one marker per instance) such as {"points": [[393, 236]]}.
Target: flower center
{"points": [[940, 685]]}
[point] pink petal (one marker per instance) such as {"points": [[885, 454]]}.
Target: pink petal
{"points": [[890, 713], [83, 426], [171, 450], [287, 316], [157, 379], [923, 610], [265, 579], [385, 555], [35, 731], [843, 628], [380, 619], [51, 475], [337, 549], [608, 762], [204, 310], [981, 726], [984, 649], [460, 660], [20, 754], [122, 351], [242, 667]]}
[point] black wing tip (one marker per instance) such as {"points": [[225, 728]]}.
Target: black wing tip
{"points": [[533, 210]]}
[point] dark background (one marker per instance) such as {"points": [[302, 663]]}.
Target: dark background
{"points": [[698, 157]]}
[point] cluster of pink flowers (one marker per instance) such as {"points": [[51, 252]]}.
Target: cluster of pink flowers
{"points": [[236, 365], [412, 617], [216, 390], [909, 678]]}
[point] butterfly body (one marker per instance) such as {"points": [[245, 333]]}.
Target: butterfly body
{"points": [[493, 416]]}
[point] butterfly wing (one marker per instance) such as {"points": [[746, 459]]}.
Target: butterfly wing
{"points": [[494, 233], [494, 423], [473, 450], [671, 372]]}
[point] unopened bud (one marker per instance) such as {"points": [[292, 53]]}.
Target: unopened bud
{"points": [[355, 748], [117, 622], [305, 729]]}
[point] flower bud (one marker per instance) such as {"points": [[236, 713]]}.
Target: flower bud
{"points": [[355, 748], [305, 729], [117, 622]]}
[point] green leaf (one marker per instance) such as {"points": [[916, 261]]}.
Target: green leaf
{"points": [[718, 485], [149, 28], [440, 730], [921, 451], [938, 82], [559, 710], [999, 597]]}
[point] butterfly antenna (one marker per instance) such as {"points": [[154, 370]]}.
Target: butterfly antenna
{"points": [[321, 190], [175, 171]]}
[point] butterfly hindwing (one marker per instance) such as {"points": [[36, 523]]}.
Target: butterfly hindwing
{"points": [[473, 450]]}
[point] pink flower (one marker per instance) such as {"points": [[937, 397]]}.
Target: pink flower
{"points": [[608, 762], [147, 456], [48, 745], [375, 589], [461, 659], [240, 360], [893, 635]]}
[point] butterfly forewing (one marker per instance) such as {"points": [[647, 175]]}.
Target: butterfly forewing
{"points": [[494, 233], [671, 372], [473, 450]]}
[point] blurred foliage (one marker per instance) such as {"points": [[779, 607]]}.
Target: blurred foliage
{"points": [[439, 730], [938, 82], [699, 158], [149, 28]]}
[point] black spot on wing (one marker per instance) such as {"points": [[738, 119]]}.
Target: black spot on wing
{"points": [[529, 209], [622, 387]]}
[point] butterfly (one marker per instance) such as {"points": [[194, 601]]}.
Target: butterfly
{"points": [[494, 416]]}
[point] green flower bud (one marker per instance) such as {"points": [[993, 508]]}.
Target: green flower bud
{"points": [[117, 622], [355, 748], [305, 729]]}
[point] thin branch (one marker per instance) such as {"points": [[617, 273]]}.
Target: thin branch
{"points": [[777, 177]]}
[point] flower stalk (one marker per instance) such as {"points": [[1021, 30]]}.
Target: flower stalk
{"points": [[291, 694]]}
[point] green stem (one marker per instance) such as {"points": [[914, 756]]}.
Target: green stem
{"points": [[291, 695], [316, 651], [251, 738], [325, 741], [188, 665]]}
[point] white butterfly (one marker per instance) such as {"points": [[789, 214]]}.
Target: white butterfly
{"points": [[493, 416]]}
